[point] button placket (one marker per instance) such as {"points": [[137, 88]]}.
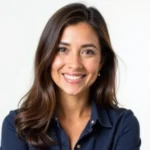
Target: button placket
{"points": [[78, 146], [92, 121]]}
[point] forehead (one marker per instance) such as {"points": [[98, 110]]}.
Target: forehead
{"points": [[80, 32]]}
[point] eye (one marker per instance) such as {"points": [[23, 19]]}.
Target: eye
{"points": [[61, 49], [88, 52]]}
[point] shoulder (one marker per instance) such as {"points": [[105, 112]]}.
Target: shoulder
{"points": [[11, 116], [9, 120], [125, 121], [9, 136], [125, 127], [122, 115]]}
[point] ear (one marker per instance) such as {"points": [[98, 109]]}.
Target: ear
{"points": [[100, 65]]}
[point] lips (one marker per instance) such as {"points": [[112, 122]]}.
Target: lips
{"points": [[72, 78]]}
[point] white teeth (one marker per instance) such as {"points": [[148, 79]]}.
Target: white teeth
{"points": [[70, 77]]}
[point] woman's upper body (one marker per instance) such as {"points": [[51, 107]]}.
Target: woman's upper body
{"points": [[72, 103], [107, 129]]}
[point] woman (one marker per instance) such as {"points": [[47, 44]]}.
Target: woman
{"points": [[72, 103]]}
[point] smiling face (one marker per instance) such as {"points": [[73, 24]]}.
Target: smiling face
{"points": [[77, 61]]}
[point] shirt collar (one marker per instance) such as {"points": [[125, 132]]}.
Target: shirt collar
{"points": [[101, 115], [97, 113]]}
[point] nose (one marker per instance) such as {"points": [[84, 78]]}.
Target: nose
{"points": [[73, 61]]}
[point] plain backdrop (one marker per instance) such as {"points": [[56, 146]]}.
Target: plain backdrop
{"points": [[21, 24]]}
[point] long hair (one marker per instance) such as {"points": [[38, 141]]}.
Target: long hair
{"points": [[36, 110]]}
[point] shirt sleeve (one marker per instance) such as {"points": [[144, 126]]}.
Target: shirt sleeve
{"points": [[129, 138], [9, 139]]}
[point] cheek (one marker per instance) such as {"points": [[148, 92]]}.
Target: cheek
{"points": [[93, 67], [93, 70], [57, 63], [56, 66]]}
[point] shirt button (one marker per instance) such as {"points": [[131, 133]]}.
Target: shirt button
{"points": [[78, 146], [92, 122]]}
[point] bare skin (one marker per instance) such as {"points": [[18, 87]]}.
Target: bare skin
{"points": [[73, 115]]}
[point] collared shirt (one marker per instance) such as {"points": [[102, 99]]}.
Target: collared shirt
{"points": [[107, 129]]}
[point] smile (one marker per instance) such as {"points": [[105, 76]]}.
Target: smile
{"points": [[73, 78]]}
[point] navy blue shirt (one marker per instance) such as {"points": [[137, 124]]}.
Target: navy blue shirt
{"points": [[108, 129]]}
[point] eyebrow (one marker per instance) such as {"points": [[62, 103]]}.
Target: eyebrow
{"points": [[83, 46]]}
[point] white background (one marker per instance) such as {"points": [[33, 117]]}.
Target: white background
{"points": [[21, 23]]}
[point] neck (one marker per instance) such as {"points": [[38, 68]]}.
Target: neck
{"points": [[73, 107]]}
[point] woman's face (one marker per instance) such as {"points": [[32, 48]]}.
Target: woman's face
{"points": [[77, 61]]}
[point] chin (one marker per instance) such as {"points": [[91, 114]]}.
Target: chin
{"points": [[70, 92]]}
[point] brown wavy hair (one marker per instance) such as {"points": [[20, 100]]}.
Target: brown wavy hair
{"points": [[36, 110]]}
